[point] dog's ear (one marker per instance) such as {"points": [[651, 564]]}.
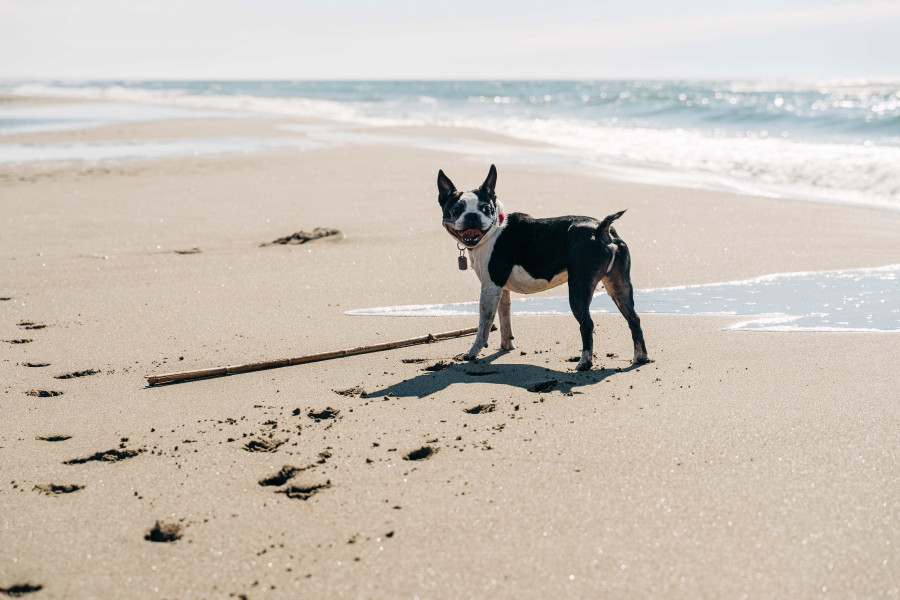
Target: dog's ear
{"points": [[445, 187], [490, 184]]}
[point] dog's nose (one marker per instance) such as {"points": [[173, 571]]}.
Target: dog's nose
{"points": [[472, 220]]}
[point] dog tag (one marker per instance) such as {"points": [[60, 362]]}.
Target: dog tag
{"points": [[463, 262]]}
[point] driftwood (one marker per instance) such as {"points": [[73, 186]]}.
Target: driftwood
{"points": [[299, 360]]}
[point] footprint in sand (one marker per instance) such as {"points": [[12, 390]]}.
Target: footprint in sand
{"points": [[53, 489], [114, 455], [43, 393], [53, 438], [421, 454], [264, 445], [324, 414], [356, 391], [438, 366], [481, 408], [543, 386], [164, 532], [19, 590], [75, 374], [302, 237], [304, 492], [288, 472]]}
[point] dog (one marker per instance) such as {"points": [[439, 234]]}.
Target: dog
{"points": [[517, 253]]}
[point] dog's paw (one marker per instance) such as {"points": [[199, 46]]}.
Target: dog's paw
{"points": [[586, 362], [507, 346], [640, 359], [470, 355]]}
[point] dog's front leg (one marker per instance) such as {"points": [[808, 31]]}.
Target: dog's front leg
{"points": [[503, 311], [490, 298]]}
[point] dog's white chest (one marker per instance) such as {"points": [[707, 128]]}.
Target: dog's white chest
{"points": [[522, 283]]}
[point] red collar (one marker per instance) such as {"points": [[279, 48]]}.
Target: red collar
{"points": [[502, 216]]}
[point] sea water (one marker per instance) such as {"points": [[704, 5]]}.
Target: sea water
{"points": [[845, 300], [836, 141], [833, 141]]}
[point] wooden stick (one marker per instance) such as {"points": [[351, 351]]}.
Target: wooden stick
{"points": [[299, 360]]}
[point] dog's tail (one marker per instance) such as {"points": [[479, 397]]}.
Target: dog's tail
{"points": [[605, 223], [612, 240]]}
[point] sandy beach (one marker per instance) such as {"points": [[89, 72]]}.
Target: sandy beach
{"points": [[736, 465]]}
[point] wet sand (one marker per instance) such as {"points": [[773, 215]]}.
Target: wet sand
{"points": [[737, 464]]}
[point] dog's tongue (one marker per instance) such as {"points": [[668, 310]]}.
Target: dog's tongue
{"points": [[472, 233]]}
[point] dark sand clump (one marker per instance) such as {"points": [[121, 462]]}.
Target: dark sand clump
{"points": [[34, 364], [43, 393], [420, 454], [481, 408], [264, 445], [281, 477], [288, 472], [543, 386], [21, 341], [324, 414], [194, 250], [354, 392], [19, 590], [301, 237], [438, 366], [113, 455], [75, 374], [31, 325], [53, 438], [53, 489], [164, 532], [304, 492]]}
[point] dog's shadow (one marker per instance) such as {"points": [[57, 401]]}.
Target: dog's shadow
{"points": [[533, 378]]}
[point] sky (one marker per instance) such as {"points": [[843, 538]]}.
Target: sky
{"points": [[459, 39]]}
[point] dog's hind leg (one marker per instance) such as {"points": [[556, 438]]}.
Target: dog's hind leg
{"points": [[581, 292], [503, 311], [618, 285]]}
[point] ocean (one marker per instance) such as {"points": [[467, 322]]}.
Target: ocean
{"points": [[832, 141]]}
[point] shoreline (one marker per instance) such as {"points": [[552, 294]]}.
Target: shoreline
{"points": [[519, 148]]}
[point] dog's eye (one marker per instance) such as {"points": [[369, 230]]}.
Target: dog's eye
{"points": [[456, 210], [487, 209]]}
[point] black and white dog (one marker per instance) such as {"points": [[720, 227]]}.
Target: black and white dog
{"points": [[517, 253]]}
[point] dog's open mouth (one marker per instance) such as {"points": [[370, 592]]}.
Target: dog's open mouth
{"points": [[469, 237]]}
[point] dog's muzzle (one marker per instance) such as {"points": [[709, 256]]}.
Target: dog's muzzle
{"points": [[468, 237]]}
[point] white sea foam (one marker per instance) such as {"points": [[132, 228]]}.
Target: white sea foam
{"points": [[754, 160], [135, 149], [852, 300], [281, 106], [16, 118]]}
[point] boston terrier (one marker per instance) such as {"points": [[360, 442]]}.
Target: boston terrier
{"points": [[516, 253]]}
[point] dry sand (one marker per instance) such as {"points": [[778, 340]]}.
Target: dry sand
{"points": [[738, 464]]}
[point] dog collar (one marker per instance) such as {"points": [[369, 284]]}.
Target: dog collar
{"points": [[501, 217]]}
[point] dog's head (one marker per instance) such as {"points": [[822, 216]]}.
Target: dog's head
{"points": [[469, 216]]}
